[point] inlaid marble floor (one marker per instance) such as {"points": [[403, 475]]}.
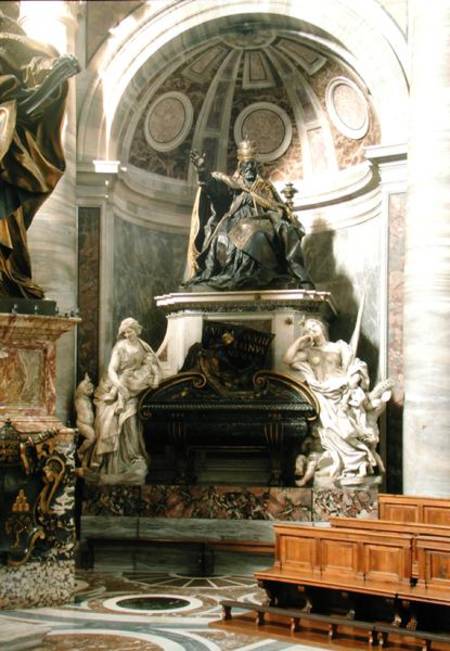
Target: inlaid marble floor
{"points": [[143, 611]]}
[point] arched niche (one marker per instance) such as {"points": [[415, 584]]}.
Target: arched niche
{"points": [[363, 36]]}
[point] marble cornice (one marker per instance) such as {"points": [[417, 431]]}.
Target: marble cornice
{"points": [[248, 300], [331, 189], [26, 327], [155, 186], [95, 180], [387, 153], [342, 215], [391, 163]]}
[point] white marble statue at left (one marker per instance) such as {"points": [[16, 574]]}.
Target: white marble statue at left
{"points": [[119, 454], [347, 431]]}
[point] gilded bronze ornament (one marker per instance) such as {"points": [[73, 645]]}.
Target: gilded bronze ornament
{"points": [[33, 89]]}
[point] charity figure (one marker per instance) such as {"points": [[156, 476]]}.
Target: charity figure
{"points": [[119, 453]]}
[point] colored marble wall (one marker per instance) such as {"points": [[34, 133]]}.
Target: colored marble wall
{"points": [[226, 502], [394, 417], [88, 291], [146, 264]]}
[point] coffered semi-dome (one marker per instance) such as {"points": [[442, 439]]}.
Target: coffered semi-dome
{"points": [[307, 111]]}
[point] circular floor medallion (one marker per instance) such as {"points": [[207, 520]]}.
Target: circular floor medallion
{"points": [[152, 603], [109, 640], [155, 603]]}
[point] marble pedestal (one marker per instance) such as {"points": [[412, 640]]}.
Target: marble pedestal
{"points": [[28, 369], [273, 311], [190, 520], [37, 478]]}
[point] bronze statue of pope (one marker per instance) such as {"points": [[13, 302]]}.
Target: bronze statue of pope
{"points": [[243, 236]]}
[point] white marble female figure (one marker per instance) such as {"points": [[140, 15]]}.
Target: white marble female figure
{"points": [[120, 452], [348, 427]]}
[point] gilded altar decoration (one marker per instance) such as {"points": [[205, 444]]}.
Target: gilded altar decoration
{"points": [[33, 89], [243, 236], [36, 512]]}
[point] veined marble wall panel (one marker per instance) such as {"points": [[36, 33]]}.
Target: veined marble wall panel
{"points": [[88, 291], [346, 262], [22, 377], [147, 263], [395, 301]]}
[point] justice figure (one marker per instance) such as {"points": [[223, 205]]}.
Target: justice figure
{"points": [[242, 234]]}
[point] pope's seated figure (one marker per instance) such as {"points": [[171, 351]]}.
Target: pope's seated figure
{"points": [[243, 236]]}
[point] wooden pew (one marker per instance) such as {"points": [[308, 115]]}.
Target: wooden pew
{"points": [[416, 529], [409, 509], [344, 557], [405, 563]]}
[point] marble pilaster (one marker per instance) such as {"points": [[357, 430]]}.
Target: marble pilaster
{"points": [[390, 164], [426, 437]]}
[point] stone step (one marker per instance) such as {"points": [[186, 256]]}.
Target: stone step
{"points": [[19, 636]]}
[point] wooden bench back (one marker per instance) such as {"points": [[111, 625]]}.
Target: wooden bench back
{"points": [[409, 508], [433, 556], [415, 528], [344, 556]]}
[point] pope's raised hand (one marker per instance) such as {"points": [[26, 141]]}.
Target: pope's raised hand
{"points": [[199, 161]]}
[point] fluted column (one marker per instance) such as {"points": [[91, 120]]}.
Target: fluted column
{"points": [[53, 234], [426, 435]]}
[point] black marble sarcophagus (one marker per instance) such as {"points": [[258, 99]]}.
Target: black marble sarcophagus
{"points": [[218, 403]]}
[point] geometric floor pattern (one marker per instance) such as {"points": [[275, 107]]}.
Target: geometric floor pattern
{"points": [[144, 611]]}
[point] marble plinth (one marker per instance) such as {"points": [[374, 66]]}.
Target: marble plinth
{"points": [[244, 503], [28, 369], [275, 312], [37, 459]]}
